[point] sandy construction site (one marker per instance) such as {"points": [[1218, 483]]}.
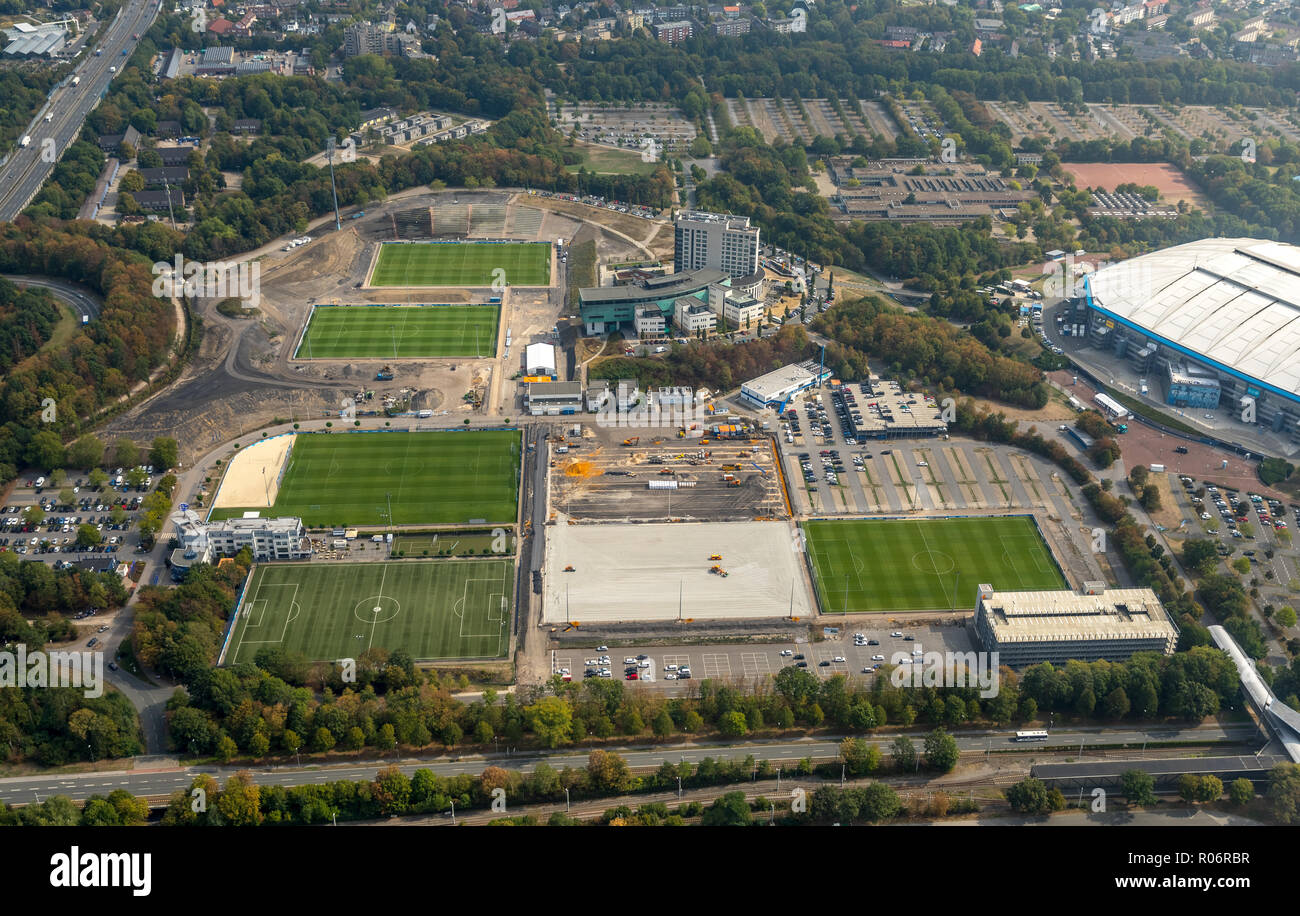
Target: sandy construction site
{"points": [[628, 573], [253, 475]]}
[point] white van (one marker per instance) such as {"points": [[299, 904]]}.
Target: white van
{"points": [[40, 481]]}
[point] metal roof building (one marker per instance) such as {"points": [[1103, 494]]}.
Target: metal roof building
{"points": [[1027, 628], [1230, 305]]}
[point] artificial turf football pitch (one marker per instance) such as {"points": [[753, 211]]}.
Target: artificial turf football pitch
{"points": [[863, 565], [433, 609], [472, 264], [428, 478], [400, 331]]}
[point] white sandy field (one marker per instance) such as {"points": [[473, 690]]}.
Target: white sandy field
{"points": [[252, 477], [631, 573]]}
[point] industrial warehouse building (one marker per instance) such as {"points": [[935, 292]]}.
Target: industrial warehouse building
{"points": [[552, 399], [540, 360], [1217, 322], [779, 385], [1027, 628]]}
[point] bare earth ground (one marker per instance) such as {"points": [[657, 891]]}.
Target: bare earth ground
{"points": [[631, 573], [243, 375], [1168, 179], [253, 475]]}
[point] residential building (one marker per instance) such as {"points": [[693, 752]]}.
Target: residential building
{"points": [[720, 241]]}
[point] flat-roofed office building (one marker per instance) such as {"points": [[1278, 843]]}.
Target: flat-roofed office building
{"points": [[1026, 628]]}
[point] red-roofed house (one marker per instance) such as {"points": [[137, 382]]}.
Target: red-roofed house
{"points": [[977, 47], [221, 26]]}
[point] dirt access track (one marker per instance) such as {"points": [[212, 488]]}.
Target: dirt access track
{"points": [[243, 375]]}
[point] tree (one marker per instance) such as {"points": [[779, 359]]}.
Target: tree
{"points": [[733, 724], [551, 719], [45, 450], [98, 477], [66, 496], [1138, 787], [126, 453], [904, 753], [164, 454], [1284, 792], [608, 772], [1029, 796], [941, 752], [1211, 788], [85, 453], [1189, 787], [1285, 617], [730, 810], [1241, 792], [87, 535], [879, 802]]}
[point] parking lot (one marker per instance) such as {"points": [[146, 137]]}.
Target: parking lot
{"points": [[830, 475], [37, 524], [840, 652]]}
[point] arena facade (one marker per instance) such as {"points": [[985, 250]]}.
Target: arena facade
{"points": [[1213, 323]]}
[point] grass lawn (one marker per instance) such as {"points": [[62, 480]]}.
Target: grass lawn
{"points": [[433, 609], [430, 478], [400, 331], [469, 264], [917, 564], [606, 161]]}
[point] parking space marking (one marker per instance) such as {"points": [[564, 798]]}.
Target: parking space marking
{"points": [[717, 664], [755, 664], [681, 661], [561, 662]]}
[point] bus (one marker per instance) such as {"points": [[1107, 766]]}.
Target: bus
{"points": [[1031, 736]]}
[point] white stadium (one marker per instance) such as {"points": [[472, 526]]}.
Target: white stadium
{"points": [[1214, 322]]}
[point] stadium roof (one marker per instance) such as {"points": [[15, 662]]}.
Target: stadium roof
{"points": [[1231, 303]]}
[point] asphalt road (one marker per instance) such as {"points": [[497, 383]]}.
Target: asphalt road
{"points": [[81, 300], [162, 782], [27, 167]]}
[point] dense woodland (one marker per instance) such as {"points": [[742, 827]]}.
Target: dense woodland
{"points": [[27, 320]]}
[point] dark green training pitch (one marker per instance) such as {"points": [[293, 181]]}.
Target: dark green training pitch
{"points": [[427, 478], [925, 564], [400, 332], [469, 264]]}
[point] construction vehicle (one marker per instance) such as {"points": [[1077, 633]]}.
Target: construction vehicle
{"points": [[667, 471], [384, 375], [733, 483], [633, 441], [716, 556], [568, 569]]}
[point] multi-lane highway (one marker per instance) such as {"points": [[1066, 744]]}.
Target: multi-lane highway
{"points": [[160, 777], [28, 166]]}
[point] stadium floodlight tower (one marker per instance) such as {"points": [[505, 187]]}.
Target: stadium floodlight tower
{"points": [[338, 223]]}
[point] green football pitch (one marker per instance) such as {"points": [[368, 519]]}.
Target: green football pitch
{"points": [[469, 264], [925, 564], [399, 331], [428, 478], [434, 609]]}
